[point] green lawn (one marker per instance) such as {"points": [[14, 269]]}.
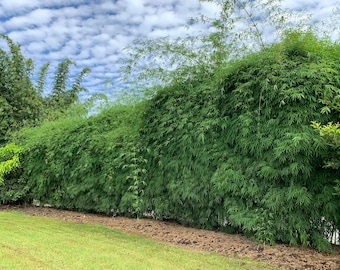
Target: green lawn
{"points": [[41, 243]]}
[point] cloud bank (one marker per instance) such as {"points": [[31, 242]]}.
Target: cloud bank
{"points": [[93, 33]]}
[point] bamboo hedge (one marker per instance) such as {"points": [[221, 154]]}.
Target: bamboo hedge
{"points": [[233, 150]]}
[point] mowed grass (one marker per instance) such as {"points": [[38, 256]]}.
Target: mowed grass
{"points": [[42, 243]]}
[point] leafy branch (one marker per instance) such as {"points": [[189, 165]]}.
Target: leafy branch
{"points": [[9, 159]]}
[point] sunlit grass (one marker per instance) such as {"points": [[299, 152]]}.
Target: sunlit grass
{"points": [[41, 243]]}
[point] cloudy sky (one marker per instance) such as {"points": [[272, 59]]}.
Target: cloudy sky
{"points": [[93, 32]]}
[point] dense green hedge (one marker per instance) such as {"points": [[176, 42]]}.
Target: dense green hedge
{"points": [[234, 151], [240, 149], [85, 164]]}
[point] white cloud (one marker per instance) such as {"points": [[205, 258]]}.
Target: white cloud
{"points": [[26, 36], [8, 7], [35, 18], [35, 47]]}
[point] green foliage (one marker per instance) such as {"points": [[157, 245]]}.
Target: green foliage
{"points": [[180, 128], [223, 141], [330, 141], [134, 162], [13, 188], [92, 164], [231, 150], [330, 137], [20, 104], [61, 98], [238, 150], [9, 159], [42, 78]]}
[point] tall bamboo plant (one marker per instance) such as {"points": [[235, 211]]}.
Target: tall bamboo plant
{"points": [[21, 105], [61, 97]]}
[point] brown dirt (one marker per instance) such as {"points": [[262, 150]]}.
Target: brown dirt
{"points": [[229, 245]]}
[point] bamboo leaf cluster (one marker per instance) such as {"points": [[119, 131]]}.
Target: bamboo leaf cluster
{"points": [[9, 159]]}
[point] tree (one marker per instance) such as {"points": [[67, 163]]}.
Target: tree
{"points": [[41, 81], [20, 103], [61, 97]]}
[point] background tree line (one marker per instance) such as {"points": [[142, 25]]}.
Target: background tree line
{"points": [[22, 101]]}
